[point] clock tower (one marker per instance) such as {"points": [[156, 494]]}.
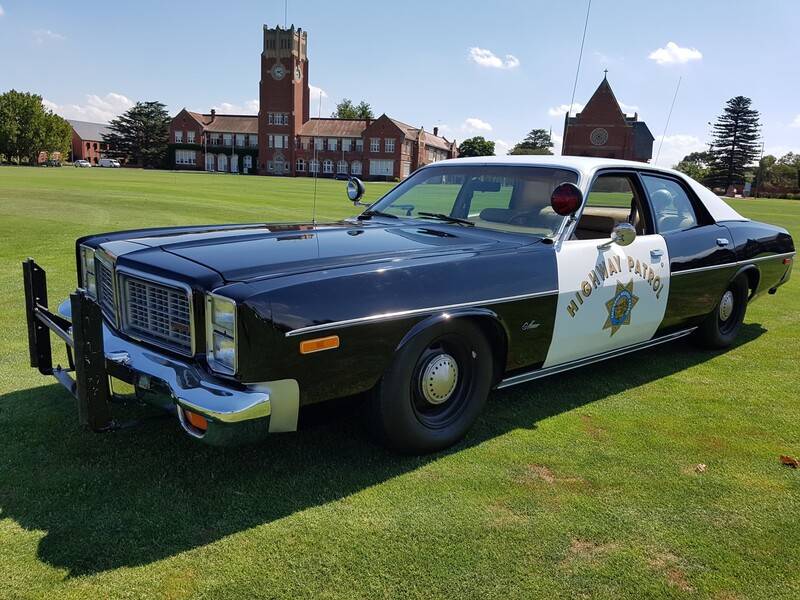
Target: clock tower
{"points": [[283, 98]]}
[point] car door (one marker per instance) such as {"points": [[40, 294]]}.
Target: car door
{"points": [[609, 296], [701, 252]]}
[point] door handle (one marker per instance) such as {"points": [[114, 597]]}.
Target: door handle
{"points": [[723, 241], [656, 253]]}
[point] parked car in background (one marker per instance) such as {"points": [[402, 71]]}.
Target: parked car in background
{"points": [[81, 163], [472, 274], [52, 162], [109, 162]]}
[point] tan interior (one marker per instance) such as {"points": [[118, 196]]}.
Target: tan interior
{"points": [[596, 222]]}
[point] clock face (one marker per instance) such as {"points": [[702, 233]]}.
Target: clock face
{"points": [[598, 137], [278, 71], [298, 73]]}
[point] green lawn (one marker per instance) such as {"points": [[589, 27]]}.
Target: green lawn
{"points": [[581, 485]]}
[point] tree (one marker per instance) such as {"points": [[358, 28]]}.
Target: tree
{"points": [[736, 135], [695, 165], [28, 128], [140, 136], [347, 110], [538, 141], [476, 146]]}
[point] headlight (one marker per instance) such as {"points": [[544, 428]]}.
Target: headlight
{"points": [[88, 278], [221, 333]]}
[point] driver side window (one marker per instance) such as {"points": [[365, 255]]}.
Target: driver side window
{"points": [[672, 207]]}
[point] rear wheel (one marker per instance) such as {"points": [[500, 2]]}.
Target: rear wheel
{"points": [[434, 389], [721, 327]]}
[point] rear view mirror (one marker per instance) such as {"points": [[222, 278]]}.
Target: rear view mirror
{"points": [[355, 189], [566, 199]]}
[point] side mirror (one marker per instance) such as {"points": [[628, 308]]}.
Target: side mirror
{"points": [[355, 190], [623, 234], [566, 199]]}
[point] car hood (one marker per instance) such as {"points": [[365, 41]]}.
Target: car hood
{"points": [[245, 253]]}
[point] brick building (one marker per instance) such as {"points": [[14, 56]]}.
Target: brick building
{"points": [[601, 129], [87, 140], [285, 140]]}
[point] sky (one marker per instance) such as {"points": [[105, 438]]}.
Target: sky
{"points": [[497, 69]]}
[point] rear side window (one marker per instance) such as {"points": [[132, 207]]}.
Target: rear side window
{"points": [[672, 209]]}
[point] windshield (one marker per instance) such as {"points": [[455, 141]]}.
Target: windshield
{"points": [[505, 198]]}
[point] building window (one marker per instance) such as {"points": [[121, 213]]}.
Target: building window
{"points": [[179, 137], [318, 143], [327, 166], [375, 144], [407, 147], [248, 162], [405, 169], [341, 166], [190, 137], [388, 145], [355, 167], [88, 146], [286, 167], [359, 145], [216, 139], [226, 139], [240, 140], [270, 166], [346, 144], [210, 161], [313, 166], [185, 157], [300, 166], [381, 168], [332, 144]]}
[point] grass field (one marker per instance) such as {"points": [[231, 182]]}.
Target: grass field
{"points": [[581, 485]]}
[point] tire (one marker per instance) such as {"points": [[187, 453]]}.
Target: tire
{"points": [[453, 360], [722, 325]]}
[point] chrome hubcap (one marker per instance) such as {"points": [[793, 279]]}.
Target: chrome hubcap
{"points": [[726, 306], [439, 379]]}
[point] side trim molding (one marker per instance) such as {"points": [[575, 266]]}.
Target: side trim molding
{"points": [[574, 364], [413, 312], [739, 263]]}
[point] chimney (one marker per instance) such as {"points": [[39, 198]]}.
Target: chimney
{"points": [[213, 115], [436, 131]]}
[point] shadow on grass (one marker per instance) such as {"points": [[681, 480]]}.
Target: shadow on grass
{"points": [[141, 495]]}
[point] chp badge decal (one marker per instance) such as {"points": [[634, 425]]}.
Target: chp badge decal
{"points": [[620, 307]]}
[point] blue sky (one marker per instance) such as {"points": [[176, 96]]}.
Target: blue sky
{"points": [[496, 68]]}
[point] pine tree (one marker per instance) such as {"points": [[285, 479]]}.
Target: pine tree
{"points": [[736, 136], [538, 141], [140, 136]]}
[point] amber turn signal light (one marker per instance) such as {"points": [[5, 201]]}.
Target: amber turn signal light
{"points": [[319, 344], [196, 421]]}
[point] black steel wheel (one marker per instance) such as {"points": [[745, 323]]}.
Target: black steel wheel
{"points": [[721, 327], [434, 389]]}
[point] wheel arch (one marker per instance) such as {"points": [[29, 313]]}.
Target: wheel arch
{"points": [[490, 324], [753, 276]]}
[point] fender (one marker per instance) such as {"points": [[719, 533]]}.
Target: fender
{"points": [[753, 278]]}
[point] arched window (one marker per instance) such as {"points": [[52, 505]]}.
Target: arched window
{"points": [[88, 146], [355, 167], [327, 166], [300, 167], [222, 163], [313, 166], [341, 166], [95, 145]]}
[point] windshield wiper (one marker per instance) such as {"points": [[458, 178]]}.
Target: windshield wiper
{"points": [[448, 218], [367, 214]]}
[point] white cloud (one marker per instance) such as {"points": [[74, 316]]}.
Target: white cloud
{"points": [[628, 108], [474, 124], [2, 12], [676, 147], [558, 142], [96, 109], [317, 97], [250, 107], [487, 58], [796, 122], [673, 54], [40, 36], [561, 109], [501, 147]]}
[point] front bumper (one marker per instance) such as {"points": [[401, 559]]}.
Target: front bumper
{"points": [[234, 413]]}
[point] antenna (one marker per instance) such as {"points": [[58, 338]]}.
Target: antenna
{"points": [[285, 13], [669, 116], [580, 57], [316, 163]]}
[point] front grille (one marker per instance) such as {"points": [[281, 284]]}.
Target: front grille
{"points": [[105, 289], [158, 312]]}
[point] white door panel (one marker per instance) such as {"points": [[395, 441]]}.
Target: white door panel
{"points": [[608, 297]]}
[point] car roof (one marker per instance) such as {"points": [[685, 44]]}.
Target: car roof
{"points": [[587, 166]]}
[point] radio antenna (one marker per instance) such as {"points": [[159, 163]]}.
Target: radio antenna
{"points": [[315, 162], [580, 57], [669, 116]]}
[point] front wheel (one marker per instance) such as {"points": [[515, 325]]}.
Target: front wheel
{"points": [[434, 389], [721, 327]]}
